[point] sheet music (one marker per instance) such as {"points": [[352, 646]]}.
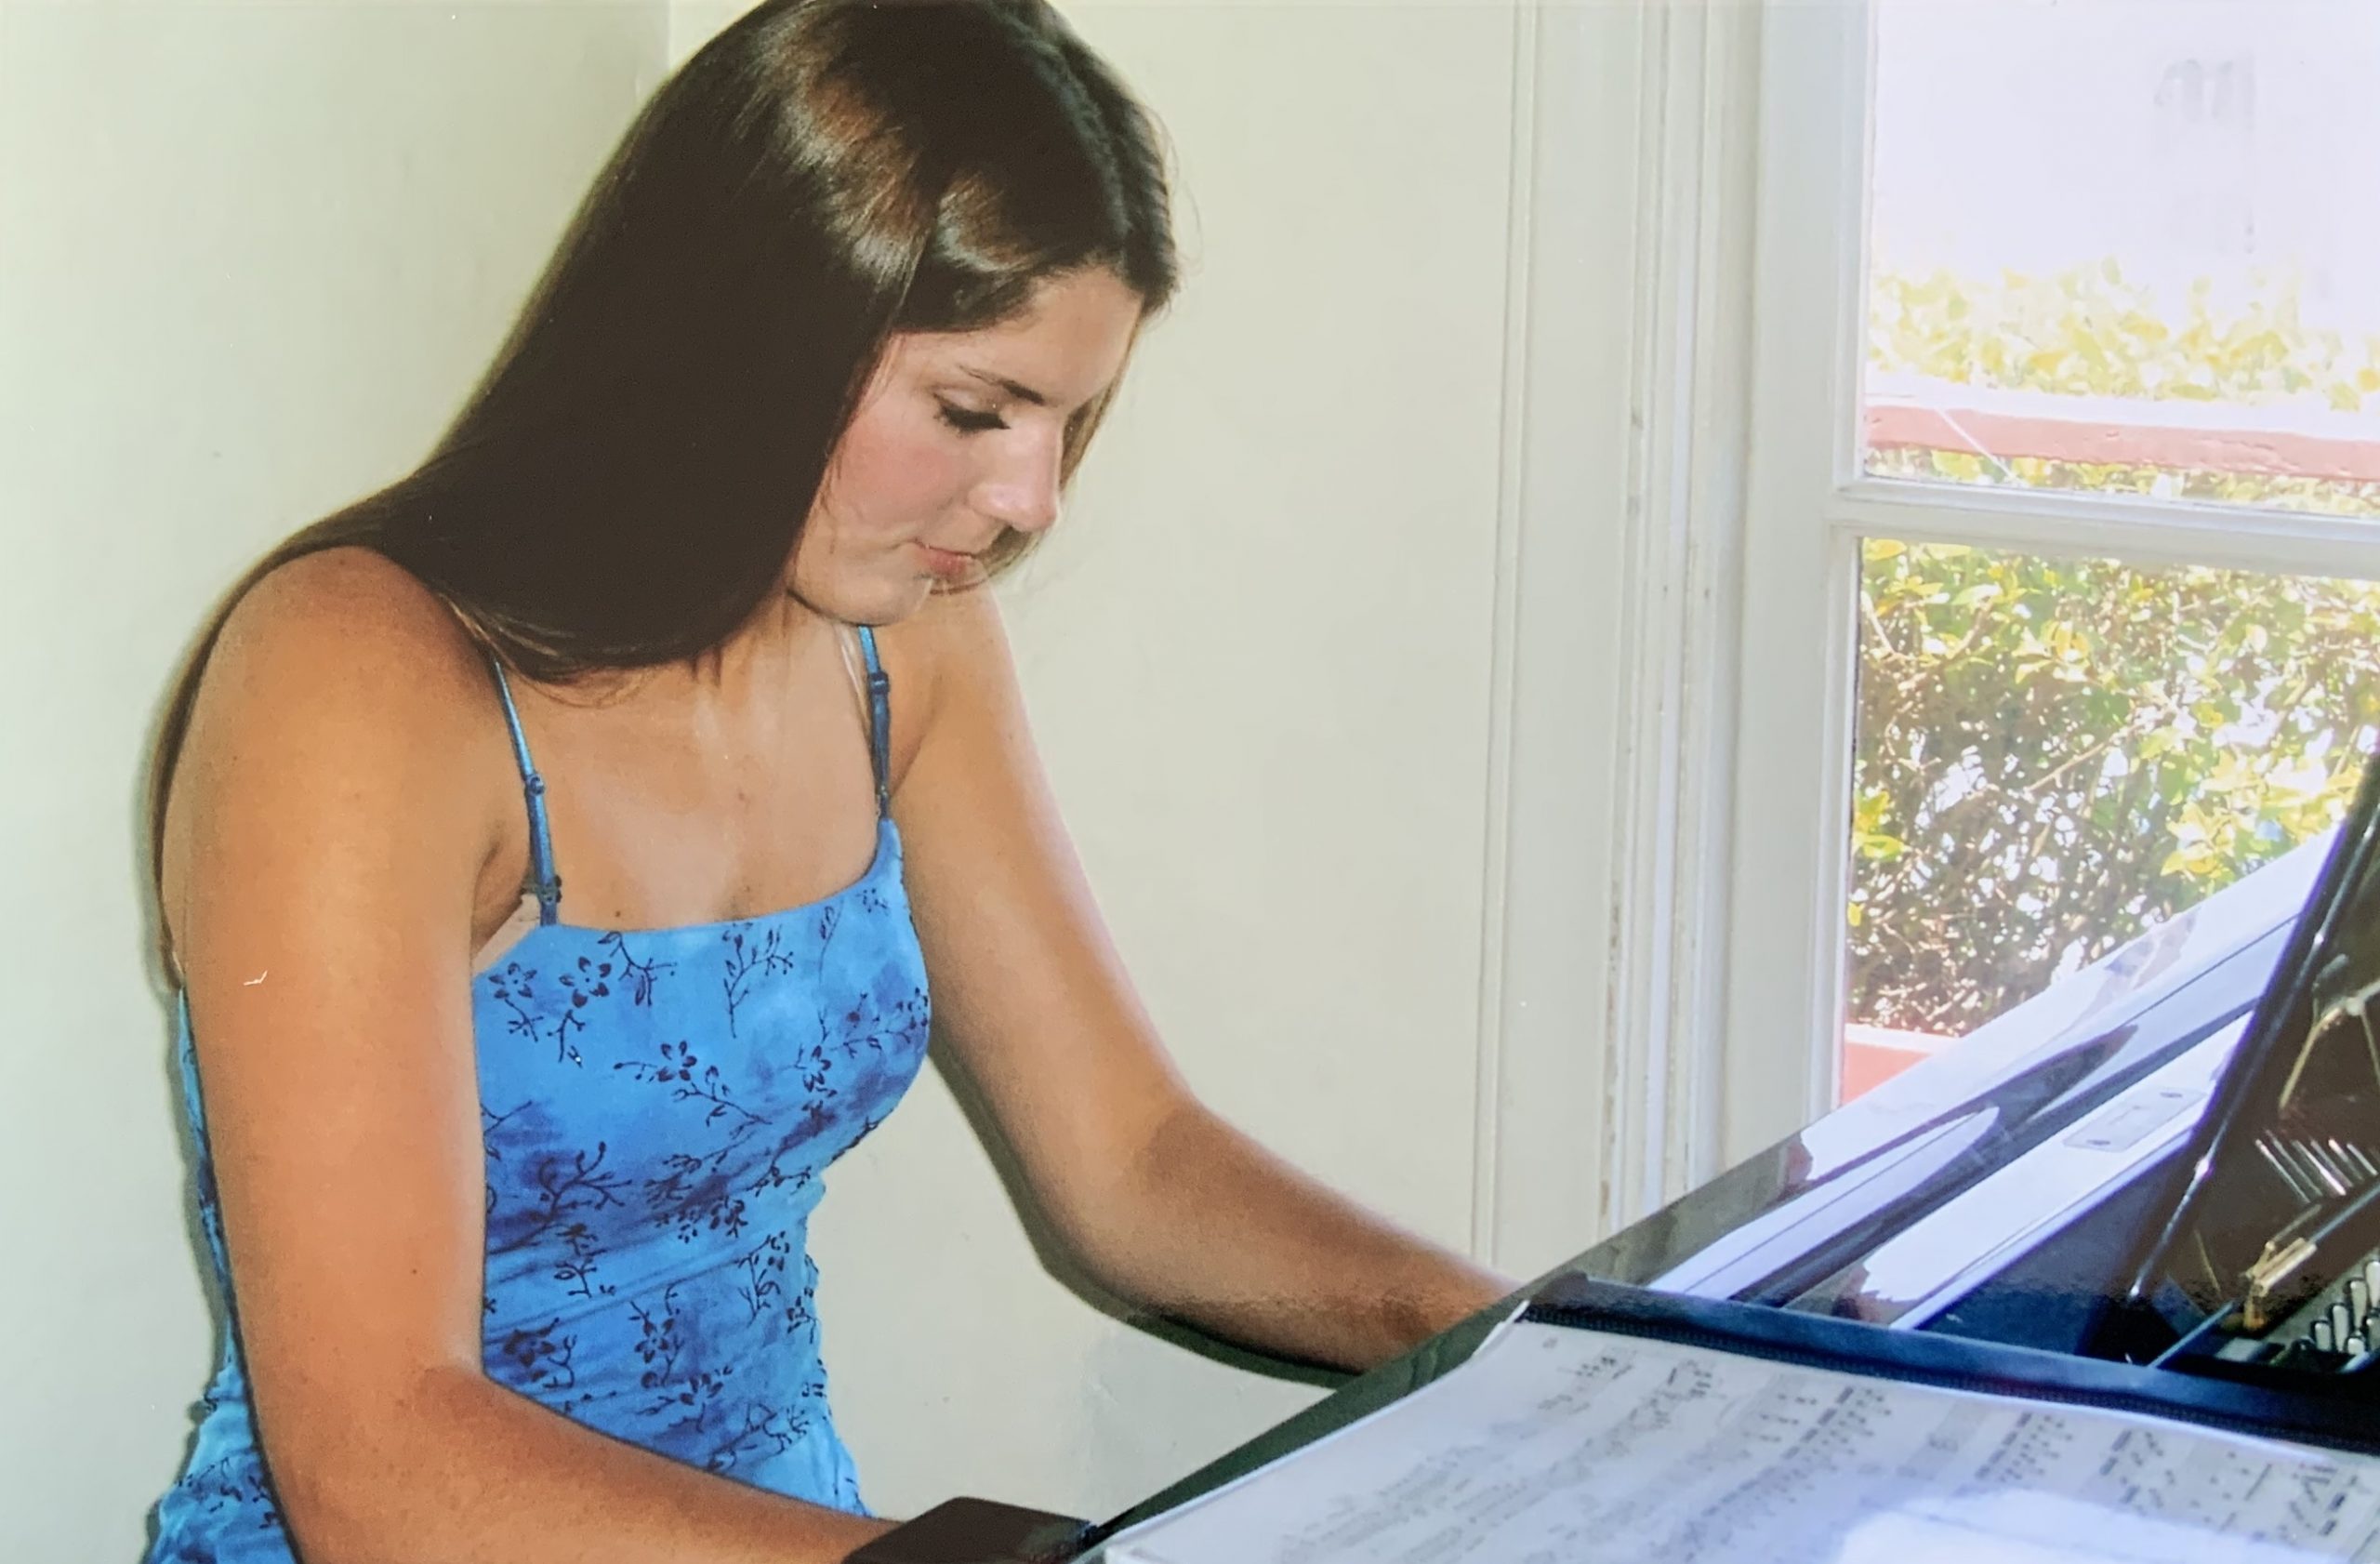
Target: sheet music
{"points": [[1559, 1446]]}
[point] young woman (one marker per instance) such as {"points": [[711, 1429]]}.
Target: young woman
{"points": [[508, 1183]]}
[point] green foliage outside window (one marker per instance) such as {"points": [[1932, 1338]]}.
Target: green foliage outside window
{"points": [[2057, 754]]}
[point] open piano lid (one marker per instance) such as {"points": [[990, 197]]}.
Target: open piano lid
{"points": [[2279, 1215]]}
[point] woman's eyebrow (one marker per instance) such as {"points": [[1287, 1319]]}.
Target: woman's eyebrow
{"points": [[1022, 392]]}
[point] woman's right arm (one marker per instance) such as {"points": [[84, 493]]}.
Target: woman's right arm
{"points": [[337, 804]]}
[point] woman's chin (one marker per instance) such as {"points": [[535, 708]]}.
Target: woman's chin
{"points": [[872, 604]]}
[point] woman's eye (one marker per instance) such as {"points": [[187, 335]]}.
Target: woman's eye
{"points": [[968, 420]]}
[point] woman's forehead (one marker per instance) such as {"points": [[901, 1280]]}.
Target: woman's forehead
{"points": [[1064, 347]]}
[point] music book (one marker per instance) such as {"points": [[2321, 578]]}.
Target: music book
{"points": [[1556, 1444]]}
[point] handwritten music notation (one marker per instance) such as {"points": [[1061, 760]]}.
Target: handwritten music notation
{"points": [[1560, 1446]]}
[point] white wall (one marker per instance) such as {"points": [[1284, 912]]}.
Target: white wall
{"points": [[250, 257]]}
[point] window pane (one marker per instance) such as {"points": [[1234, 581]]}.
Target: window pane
{"points": [[2128, 246], [2054, 756]]}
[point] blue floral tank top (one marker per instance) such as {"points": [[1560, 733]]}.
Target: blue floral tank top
{"points": [[657, 1109]]}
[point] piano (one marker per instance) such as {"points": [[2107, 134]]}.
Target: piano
{"points": [[2154, 1188]]}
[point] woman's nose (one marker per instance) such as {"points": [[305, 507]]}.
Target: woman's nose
{"points": [[1022, 491]]}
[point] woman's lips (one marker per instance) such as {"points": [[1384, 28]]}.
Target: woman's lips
{"points": [[948, 563]]}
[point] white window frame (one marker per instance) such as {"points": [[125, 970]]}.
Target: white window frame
{"points": [[1604, 884], [1808, 506]]}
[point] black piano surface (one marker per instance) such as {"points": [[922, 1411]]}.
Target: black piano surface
{"points": [[2157, 1185]]}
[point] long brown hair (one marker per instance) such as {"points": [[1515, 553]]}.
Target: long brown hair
{"points": [[629, 479]]}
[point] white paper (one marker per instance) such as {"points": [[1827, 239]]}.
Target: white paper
{"points": [[1558, 1446]]}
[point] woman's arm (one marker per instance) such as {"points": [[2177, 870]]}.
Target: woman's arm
{"points": [[1220, 1232], [1163, 1202], [339, 803]]}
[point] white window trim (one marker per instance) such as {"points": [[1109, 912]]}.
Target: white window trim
{"points": [[1627, 354], [1787, 885], [1677, 761]]}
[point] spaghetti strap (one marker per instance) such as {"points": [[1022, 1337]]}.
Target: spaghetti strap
{"points": [[542, 881], [880, 721]]}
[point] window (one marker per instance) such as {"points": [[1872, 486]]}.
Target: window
{"points": [[2060, 529]]}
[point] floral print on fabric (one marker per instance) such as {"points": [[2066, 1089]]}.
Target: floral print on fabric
{"points": [[656, 1109]]}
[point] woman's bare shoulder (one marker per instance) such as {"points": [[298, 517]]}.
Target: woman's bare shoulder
{"points": [[946, 641], [350, 615], [342, 690], [946, 654]]}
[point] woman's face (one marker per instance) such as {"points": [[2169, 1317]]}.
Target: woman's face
{"points": [[958, 438]]}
